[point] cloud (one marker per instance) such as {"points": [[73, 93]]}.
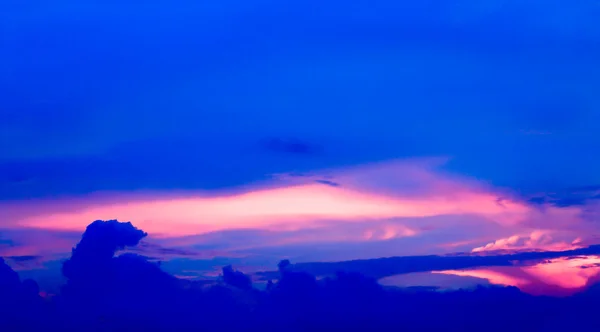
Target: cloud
{"points": [[390, 203], [577, 196], [328, 232], [290, 146], [23, 258], [324, 63], [560, 276], [129, 291], [236, 278], [43, 244], [534, 268], [20, 263], [328, 183], [156, 251], [537, 240], [95, 276], [362, 195], [20, 301], [98, 244]]}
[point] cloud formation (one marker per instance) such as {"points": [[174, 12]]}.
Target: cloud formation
{"points": [[145, 112], [560, 276], [128, 291], [390, 203], [537, 240], [557, 273]]}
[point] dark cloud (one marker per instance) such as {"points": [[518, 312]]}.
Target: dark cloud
{"points": [[568, 197], [92, 264], [23, 258], [21, 308], [236, 278], [127, 292], [328, 183], [102, 239], [385, 267], [27, 262], [163, 253], [290, 146]]}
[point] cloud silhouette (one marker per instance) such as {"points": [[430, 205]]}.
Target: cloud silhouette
{"points": [[536, 240], [385, 267], [236, 278], [108, 290], [21, 307], [98, 245], [576, 196]]}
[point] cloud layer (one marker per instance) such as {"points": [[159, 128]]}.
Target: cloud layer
{"points": [[104, 290], [403, 207]]}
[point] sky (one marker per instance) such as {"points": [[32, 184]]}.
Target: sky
{"points": [[251, 131]]}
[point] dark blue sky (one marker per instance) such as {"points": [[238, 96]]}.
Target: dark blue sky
{"points": [[508, 90]]}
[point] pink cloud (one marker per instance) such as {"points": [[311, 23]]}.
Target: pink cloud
{"points": [[558, 277], [37, 242], [388, 200], [292, 206], [287, 208], [536, 240], [497, 276], [569, 273]]}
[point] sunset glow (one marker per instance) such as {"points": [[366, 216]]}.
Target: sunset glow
{"points": [[381, 212], [265, 165], [560, 276]]}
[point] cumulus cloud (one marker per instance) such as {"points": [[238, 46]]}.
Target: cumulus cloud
{"points": [[20, 303], [536, 240], [95, 275], [98, 245], [236, 278]]}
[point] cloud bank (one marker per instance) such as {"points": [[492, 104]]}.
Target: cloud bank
{"points": [[104, 291], [404, 207]]}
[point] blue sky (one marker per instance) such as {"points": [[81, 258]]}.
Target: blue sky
{"points": [[384, 102]]}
